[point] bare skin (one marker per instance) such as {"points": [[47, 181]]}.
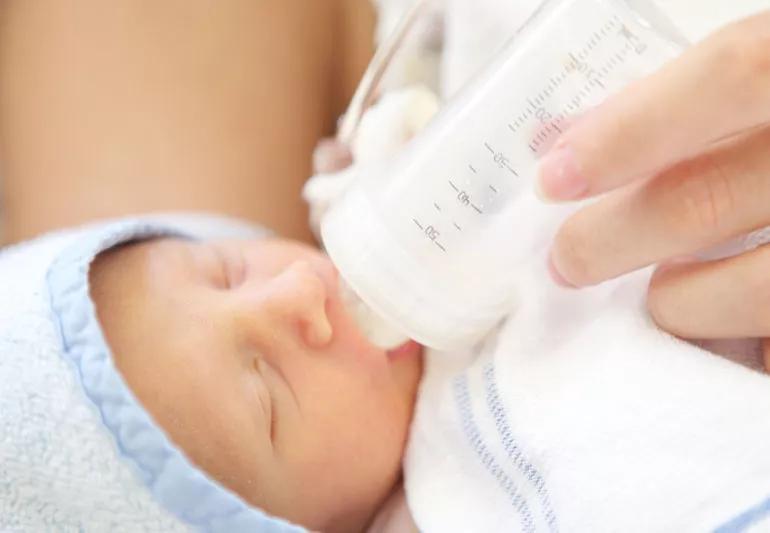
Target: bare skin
{"points": [[115, 108], [244, 354]]}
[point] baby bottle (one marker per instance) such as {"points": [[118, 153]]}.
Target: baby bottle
{"points": [[427, 244]]}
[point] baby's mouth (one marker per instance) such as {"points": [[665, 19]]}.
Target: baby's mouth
{"points": [[377, 330]]}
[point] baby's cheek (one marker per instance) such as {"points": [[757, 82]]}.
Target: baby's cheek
{"points": [[343, 451], [361, 433]]}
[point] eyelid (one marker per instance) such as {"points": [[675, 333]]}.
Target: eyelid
{"points": [[225, 273], [234, 268]]}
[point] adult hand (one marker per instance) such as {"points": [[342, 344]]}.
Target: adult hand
{"points": [[686, 156]]}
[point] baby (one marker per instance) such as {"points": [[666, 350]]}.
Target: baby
{"points": [[243, 352], [162, 377]]}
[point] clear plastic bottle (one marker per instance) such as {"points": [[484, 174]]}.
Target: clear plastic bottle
{"points": [[428, 244]]}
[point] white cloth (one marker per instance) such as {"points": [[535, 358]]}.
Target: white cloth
{"points": [[578, 414]]}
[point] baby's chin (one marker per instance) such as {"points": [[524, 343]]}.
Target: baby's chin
{"points": [[409, 349], [406, 363]]}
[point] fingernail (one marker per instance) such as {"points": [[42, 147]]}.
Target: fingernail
{"points": [[560, 178], [556, 276]]}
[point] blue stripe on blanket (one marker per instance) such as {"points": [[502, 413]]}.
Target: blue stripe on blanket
{"points": [[463, 403], [746, 519], [512, 448]]}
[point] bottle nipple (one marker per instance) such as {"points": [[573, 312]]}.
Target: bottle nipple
{"points": [[375, 328]]}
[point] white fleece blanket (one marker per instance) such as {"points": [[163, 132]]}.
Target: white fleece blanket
{"points": [[578, 415]]}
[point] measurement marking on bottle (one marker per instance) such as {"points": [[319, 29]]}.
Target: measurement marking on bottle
{"points": [[454, 186], [438, 207], [580, 62], [432, 234], [457, 226], [493, 189], [473, 169], [501, 160], [476, 208]]}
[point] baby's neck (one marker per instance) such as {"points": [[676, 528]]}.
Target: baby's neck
{"points": [[394, 515]]}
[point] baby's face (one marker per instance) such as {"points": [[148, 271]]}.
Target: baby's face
{"points": [[243, 353]]}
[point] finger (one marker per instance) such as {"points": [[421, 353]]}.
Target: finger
{"points": [[690, 207], [715, 89], [331, 156], [729, 298]]}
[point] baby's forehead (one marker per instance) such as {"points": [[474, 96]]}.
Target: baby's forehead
{"points": [[158, 255]]}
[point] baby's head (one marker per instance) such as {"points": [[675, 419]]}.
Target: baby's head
{"points": [[242, 351]]}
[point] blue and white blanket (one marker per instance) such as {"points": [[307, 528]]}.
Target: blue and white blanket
{"points": [[77, 451]]}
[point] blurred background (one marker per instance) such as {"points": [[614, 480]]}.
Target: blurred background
{"points": [[113, 108]]}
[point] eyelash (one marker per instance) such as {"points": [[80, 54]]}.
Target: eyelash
{"points": [[226, 283], [259, 371]]}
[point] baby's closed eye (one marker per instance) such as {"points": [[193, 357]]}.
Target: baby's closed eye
{"points": [[266, 400]]}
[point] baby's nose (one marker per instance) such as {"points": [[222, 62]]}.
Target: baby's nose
{"points": [[293, 302]]}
